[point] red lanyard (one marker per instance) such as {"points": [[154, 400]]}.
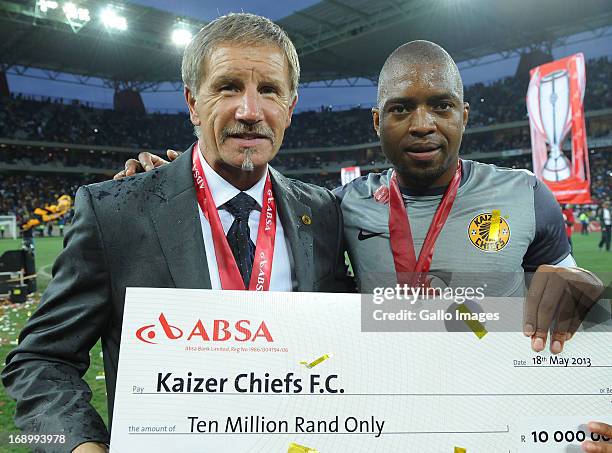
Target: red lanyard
{"points": [[266, 233], [400, 233]]}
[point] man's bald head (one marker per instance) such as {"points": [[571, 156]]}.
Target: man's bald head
{"points": [[421, 53]]}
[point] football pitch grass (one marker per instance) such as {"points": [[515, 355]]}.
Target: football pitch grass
{"points": [[13, 317]]}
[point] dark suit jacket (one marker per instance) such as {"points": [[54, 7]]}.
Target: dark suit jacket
{"points": [[140, 231]]}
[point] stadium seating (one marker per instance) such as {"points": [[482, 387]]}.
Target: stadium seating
{"points": [[502, 101], [54, 135]]}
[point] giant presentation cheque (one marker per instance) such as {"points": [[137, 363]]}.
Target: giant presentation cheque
{"points": [[238, 371]]}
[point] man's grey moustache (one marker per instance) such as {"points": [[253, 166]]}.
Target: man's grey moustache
{"points": [[250, 133]]}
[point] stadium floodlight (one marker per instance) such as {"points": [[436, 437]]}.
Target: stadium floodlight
{"points": [[181, 36], [46, 5], [84, 14], [111, 19], [73, 12], [70, 10]]}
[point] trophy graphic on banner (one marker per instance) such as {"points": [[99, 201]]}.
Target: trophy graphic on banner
{"points": [[555, 113]]}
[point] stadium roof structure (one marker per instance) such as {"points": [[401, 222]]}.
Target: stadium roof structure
{"points": [[336, 39]]}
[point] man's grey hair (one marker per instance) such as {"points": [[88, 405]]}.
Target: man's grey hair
{"points": [[239, 28]]}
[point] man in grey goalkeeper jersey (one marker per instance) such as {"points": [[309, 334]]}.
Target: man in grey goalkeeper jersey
{"points": [[532, 231], [420, 118]]}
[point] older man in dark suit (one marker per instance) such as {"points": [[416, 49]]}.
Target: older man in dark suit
{"points": [[218, 217]]}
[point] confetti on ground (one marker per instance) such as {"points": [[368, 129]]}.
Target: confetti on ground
{"points": [[13, 318]]}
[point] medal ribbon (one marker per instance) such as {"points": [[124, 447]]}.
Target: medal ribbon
{"points": [[266, 233], [400, 233]]}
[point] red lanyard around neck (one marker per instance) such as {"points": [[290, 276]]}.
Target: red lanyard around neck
{"points": [[266, 233], [402, 243]]}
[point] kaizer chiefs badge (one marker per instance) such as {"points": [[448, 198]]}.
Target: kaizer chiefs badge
{"points": [[489, 231]]}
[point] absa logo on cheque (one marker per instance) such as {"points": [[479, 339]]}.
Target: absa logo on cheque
{"points": [[216, 330]]}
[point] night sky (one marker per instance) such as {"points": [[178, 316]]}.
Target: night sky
{"points": [[207, 10]]}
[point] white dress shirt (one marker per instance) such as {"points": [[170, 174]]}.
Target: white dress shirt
{"points": [[222, 191]]}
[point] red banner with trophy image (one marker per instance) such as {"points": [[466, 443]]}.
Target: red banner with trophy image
{"points": [[555, 105]]}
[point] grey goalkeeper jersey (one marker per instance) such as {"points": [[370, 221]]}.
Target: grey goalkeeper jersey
{"points": [[528, 229]]}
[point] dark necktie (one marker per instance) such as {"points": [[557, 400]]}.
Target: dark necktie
{"points": [[239, 234]]}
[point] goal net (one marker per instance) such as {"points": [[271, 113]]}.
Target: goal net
{"points": [[8, 223]]}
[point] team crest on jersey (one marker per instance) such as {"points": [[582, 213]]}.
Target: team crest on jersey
{"points": [[382, 195], [489, 231]]}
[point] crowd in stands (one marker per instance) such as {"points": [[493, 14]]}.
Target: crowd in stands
{"points": [[600, 169], [598, 94], [102, 160], [317, 160], [329, 128], [21, 194], [487, 142], [23, 118], [601, 175], [47, 120], [498, 102], [600, 164], [504, 100]]}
